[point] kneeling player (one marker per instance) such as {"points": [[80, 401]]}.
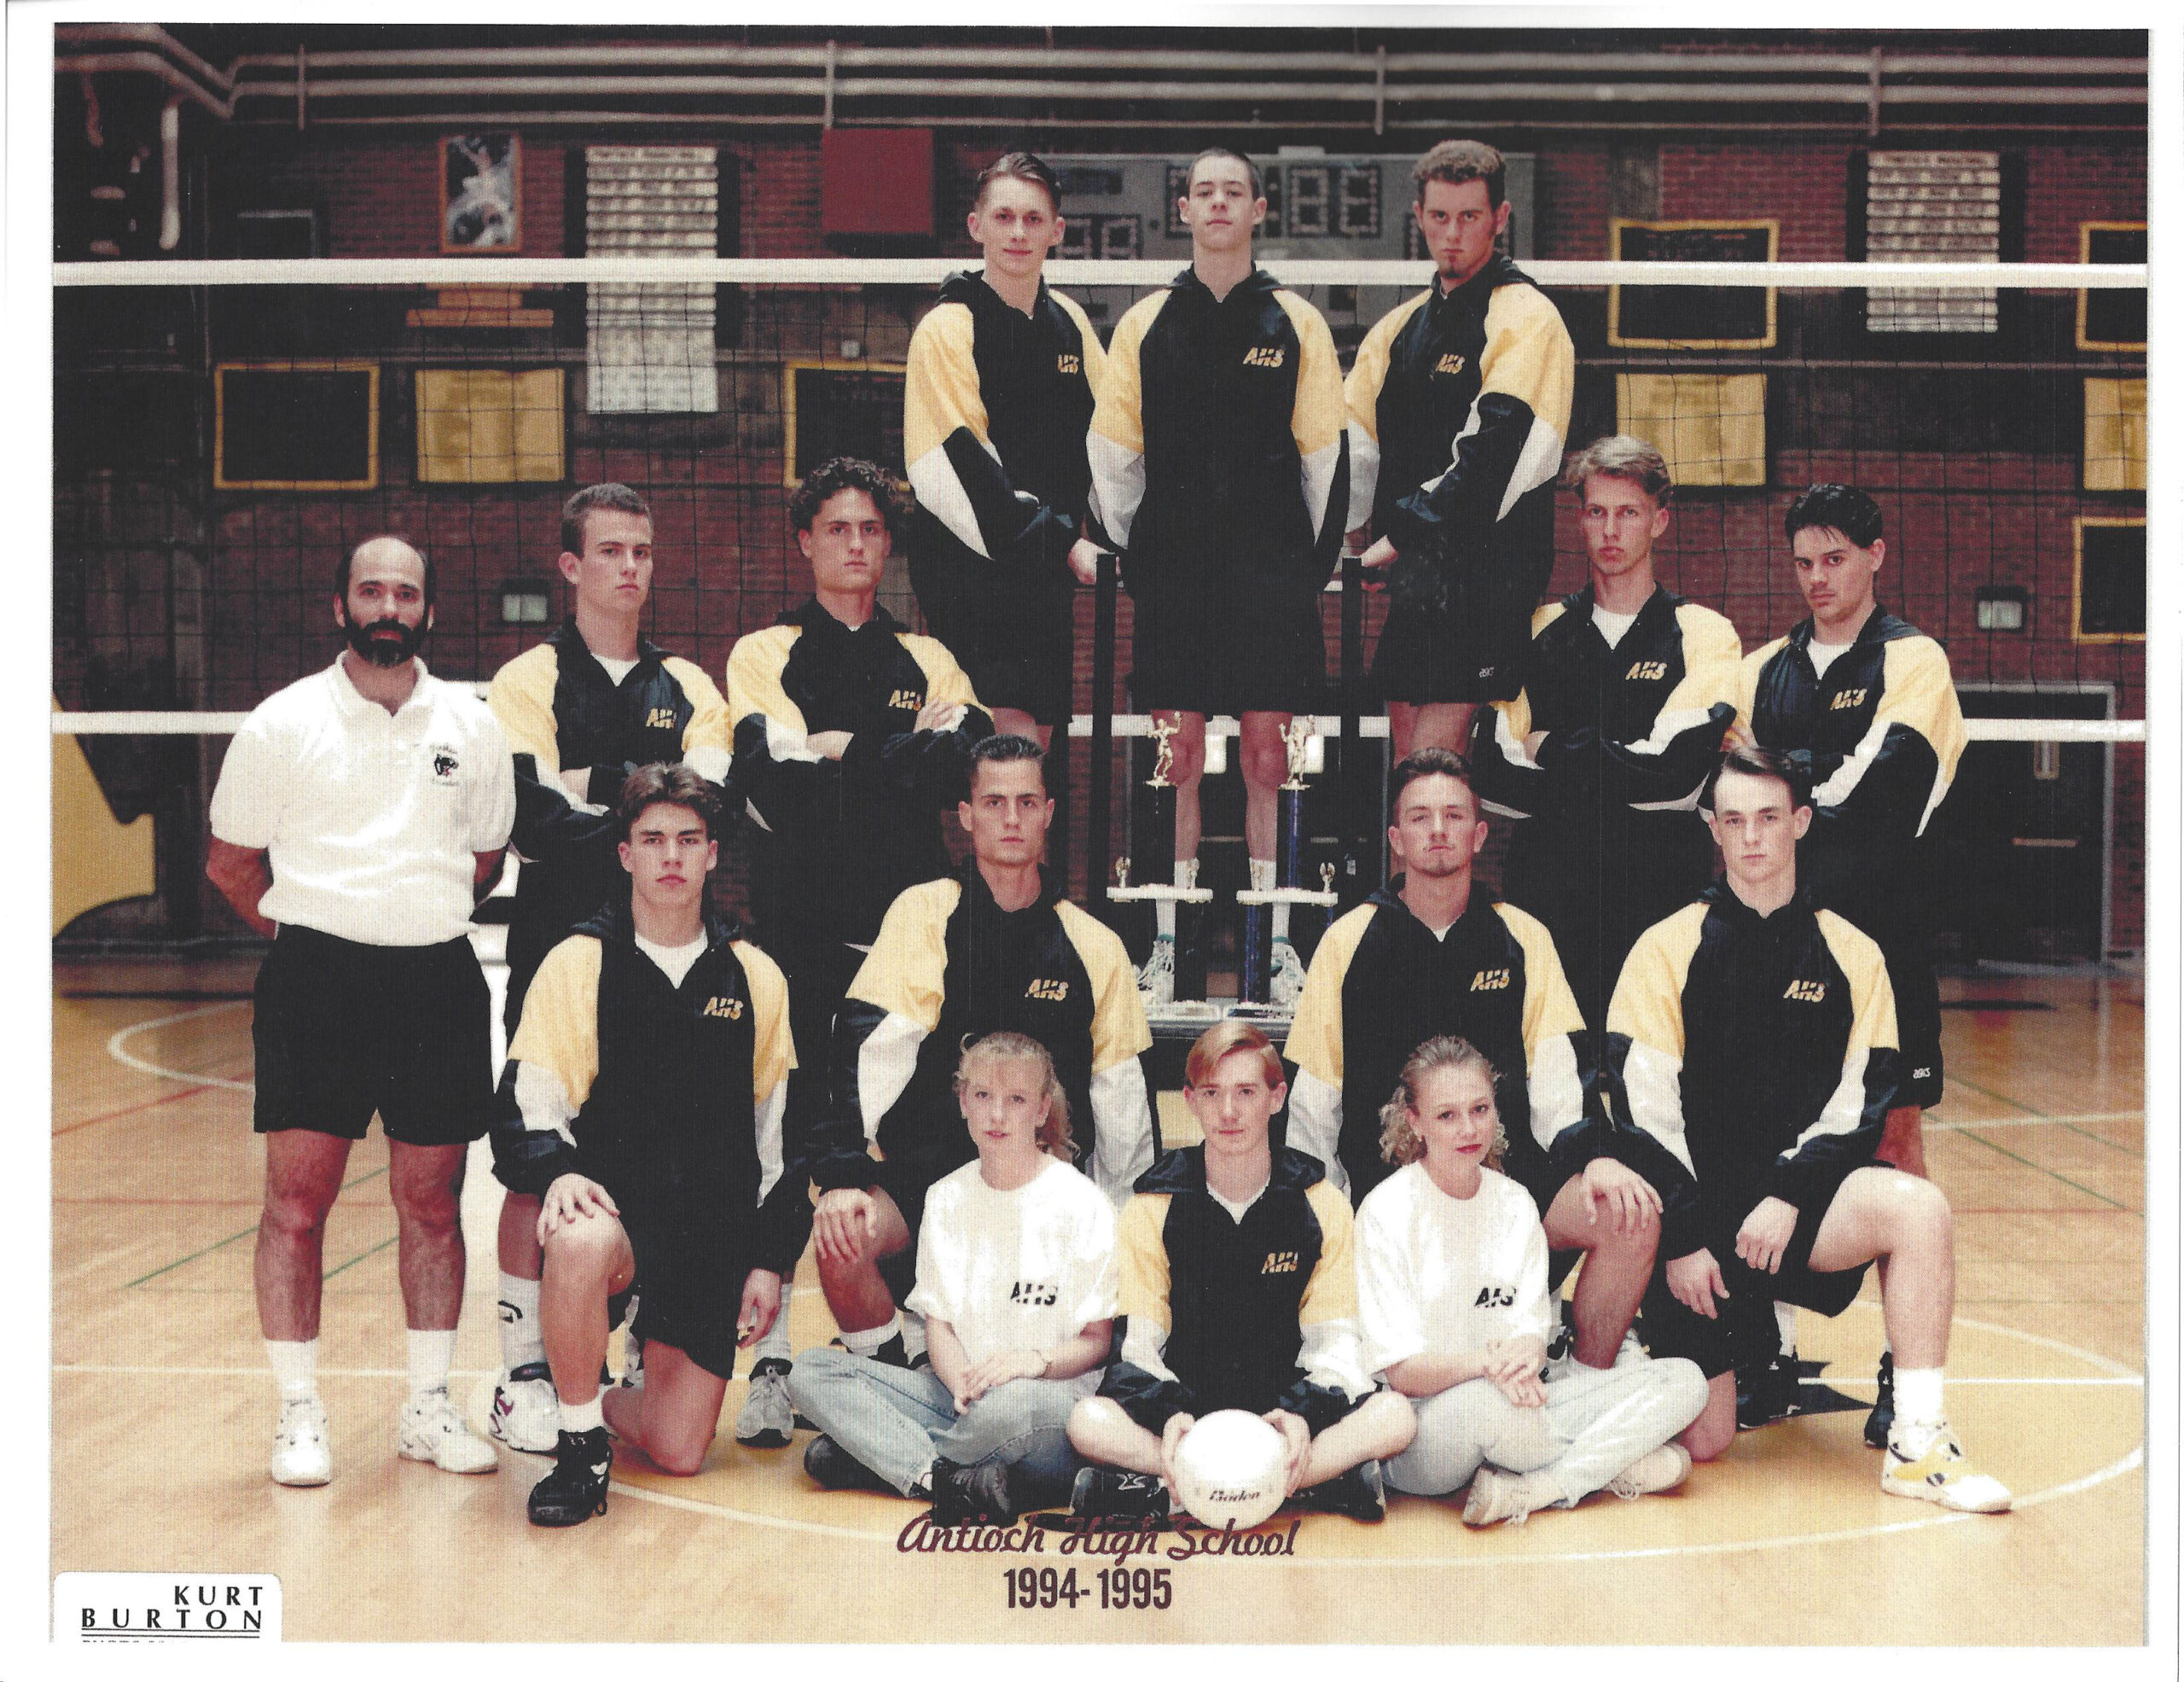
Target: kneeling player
{"points": [[1016, 1281], [1237, 1278], [650, 1069], [1755, 1041], [1452, 1294]]}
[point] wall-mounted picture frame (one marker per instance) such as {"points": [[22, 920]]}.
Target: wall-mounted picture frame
{"points": [[481, 193]]}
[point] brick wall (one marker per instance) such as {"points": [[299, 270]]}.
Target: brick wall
{"points": [[726, 562]]}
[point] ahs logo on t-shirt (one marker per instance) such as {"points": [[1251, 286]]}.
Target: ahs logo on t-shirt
{"points": [[1806, 993], [1495, 1296], [1281, 1261], [1847, 701], [1449, 364], [1047, 992], [1066, 363], [730, 1007], [1489, 981], [1647, 671], [661, 717], [910, 700], [1032, 1294], [1265, 356]]}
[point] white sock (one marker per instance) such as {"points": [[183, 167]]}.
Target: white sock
{"points": [[774, 1346], [580, 1417], [1786, 1322], [1261, 875], [295, 1369], [1185, 873], [522, 1339], [1919, 1401], [864, 1343], [431, 1355]]}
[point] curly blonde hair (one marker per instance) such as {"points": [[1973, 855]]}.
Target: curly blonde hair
{"points": [[1400, 1142], [1052, 1136]]}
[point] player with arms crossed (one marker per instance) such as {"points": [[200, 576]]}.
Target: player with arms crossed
{"points": [[997, 399], [1240, 1288], [1628, 690], [648, 1076], [361, 811], [1452, 1294], [1459, 401], [1219, 467], [851, 734], [1863, 704], [1752, 1047], [1016, 1282], [1426, 956], [994, 947], [582, 710]]}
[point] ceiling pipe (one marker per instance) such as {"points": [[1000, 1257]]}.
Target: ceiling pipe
{"points": [[147, 64], [171, 173], [833, 91]]}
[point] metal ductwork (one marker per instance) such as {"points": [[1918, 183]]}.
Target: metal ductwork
{"points": [[942, 82]]}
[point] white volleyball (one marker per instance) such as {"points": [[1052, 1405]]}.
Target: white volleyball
{"points": [[1232, 1467]]}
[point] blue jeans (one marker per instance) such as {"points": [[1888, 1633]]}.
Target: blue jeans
{"points": [[897, 1423], [1595, 1424]]}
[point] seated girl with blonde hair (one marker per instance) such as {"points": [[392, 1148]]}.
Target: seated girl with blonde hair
{"points": [[1452, 1294], [1016, 1279]]}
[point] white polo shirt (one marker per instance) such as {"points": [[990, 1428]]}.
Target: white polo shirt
{"points": [[370, 817]]}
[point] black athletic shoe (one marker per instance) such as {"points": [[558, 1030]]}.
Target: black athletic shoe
{"points": [[1357, 1494], [576, 1489], [1102, 1492], [978, 1494], [831, 1466], [1766, 1394], [1882, 1420]]}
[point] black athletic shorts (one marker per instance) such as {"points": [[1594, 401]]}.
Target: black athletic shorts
{"points": [[1010, 629], [342, 1031], [1264, 654], [1746, 1332], [689, 1287], [1154, 1414]]}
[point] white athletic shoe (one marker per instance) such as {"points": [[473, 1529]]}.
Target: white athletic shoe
{"points": [[303, 1455], [1156, 981], [1940, 1474], [526, 1413], [766, 1419], [431, 1428], [1664, 1468], [1286, 985], [1498, 1497]]}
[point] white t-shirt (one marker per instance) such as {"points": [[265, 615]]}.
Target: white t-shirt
{"points": [[1611, 627], [1825, 654], [1027, 1269], [674, 962], [369, 818], [1442, 1275]]}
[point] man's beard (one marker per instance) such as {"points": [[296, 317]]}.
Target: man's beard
{"points": [[385, 650]]}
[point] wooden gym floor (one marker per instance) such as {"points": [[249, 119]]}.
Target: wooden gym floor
{"points": [[163, 1409]]}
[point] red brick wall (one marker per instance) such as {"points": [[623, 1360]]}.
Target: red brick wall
{"points": [[725, 557]]}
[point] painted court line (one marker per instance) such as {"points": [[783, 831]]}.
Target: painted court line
{"points": [[117, 1047]]}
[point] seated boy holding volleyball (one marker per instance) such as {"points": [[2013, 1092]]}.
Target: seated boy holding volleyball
{"points": [[1237, 1283]]}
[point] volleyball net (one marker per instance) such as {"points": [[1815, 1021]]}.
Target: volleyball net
{"points": [[225, 431]]}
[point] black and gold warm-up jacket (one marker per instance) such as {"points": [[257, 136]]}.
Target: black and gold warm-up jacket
{"points": [[560, 709], [1257, 1314], [1748, 1057], [1382, 985], [1610, 841], [1217, 454], [996, 406], [841, 838], [1881, 734], [949, 963], [1459, 403], [671, 1097]]}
